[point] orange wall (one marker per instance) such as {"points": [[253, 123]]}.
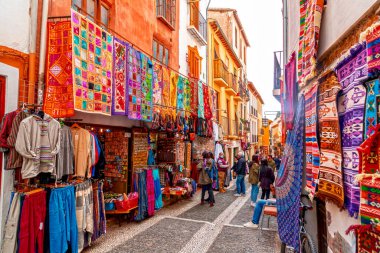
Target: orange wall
{"points": [[136, 21]]}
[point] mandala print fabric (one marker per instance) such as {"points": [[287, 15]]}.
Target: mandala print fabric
{"points": [[330, 186], [120, 78], [311, 141], [310, 22], [351, 72], [290, 93], [289, 181], [201, 104], [92, 66], [373, 49], [372, 105], [59, 101], [134, 84], [146, 88], [157, 85]]}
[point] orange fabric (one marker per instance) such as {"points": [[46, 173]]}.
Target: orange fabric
{"points": [[270, 210]]}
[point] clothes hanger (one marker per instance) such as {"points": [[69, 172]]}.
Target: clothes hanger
{"points": [[75, 125]]}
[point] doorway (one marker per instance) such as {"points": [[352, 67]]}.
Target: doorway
{"points": [[2, 110], [322, 226]]}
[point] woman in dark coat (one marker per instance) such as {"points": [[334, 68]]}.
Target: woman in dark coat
{"points": [[266, 179]]}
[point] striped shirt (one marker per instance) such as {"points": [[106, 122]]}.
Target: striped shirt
{"points": [[15, 159]]}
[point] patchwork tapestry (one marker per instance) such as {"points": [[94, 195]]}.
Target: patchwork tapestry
{"points": [[310, 22], [92, 66], [330, 186], [206, 99], [311, 140], [351, 72], [146, 88], [373, 49], [59, 101], [157, 85], [371, 107], [289, 181], [368, 242], [290, 92], [134, 84], [120, 78], [201, 104]]}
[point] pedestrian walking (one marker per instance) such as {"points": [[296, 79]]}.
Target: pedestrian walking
{"points": [[240, 169], [266, 179], [205, 178], [222, 171], [271, 162], [253, 178], [214, 172]]}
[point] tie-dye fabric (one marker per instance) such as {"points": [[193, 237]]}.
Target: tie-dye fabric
{"points": [[120, 78], [134, 84], [92, 66], [146, 88]]}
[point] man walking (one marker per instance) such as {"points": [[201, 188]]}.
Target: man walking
{"points": [[241, 170]]}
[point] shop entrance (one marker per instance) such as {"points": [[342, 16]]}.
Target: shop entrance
{"points": [[322, 226], [2, 110]]}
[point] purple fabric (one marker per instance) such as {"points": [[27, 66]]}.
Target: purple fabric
{"points": [[290, 93], [351, 73]]}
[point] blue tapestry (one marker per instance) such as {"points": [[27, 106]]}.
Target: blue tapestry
{"points": [[372, 102], [289, 181]]}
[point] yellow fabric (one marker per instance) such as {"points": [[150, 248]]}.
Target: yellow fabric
{"points": [[222, 178], [82, 152], [173, 91]]}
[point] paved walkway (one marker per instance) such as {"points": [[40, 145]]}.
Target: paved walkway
{"points": [[187, 227]]}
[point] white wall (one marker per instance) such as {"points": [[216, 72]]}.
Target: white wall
{"points": [[12, 85], [186, 39], [15, 24]]}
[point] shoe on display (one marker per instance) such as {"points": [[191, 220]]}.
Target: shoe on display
{"points": [[251, 225], [237, 195]]}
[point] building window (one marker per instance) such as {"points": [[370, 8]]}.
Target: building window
{"points": [[95, 10], [241, 49], [166, 11], [216, 50], [236, 38], [160, 52], [77, 5], [104, 15], [194, 60]]}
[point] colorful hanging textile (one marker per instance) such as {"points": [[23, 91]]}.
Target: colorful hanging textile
{"points": [[368, 242], [157, 85], [310, 22], [206, 99], [134, 84], [373, 49], [201, 104], [187, 96], [173, 91], [372, 105], [290, 92], [146, 88], [330, 185], [289, 181], [180, 95], [194, 97], [351, 72], [120, 78], [92, 66], [165, 90], [150, 192], [59, 100], [312, 149]]}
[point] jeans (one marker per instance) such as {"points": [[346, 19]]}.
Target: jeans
{"points": [[240, 184], [208, 188], [63, 220], [259, 209], [265, 193], [254, 192]]}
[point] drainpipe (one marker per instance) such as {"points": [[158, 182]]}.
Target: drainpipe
{"points": [[285, 31], [32, 50], [41, 68], [207, 77]]}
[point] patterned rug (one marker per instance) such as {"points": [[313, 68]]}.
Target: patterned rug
{"points": [[330, 186], [92, 66], [351, 116], [373, 48], [146, 88], [290, 92], [59, 101], [289, 181], [120, 78], [134, 84], [372, 102], [368, 242], [311, 140], [201, 105], [310, 22]]}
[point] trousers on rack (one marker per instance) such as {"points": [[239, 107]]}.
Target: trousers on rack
{"points": [[32, 223], [63, 221], [10, 231], [157, 189], [150, 192], [143, 199]]}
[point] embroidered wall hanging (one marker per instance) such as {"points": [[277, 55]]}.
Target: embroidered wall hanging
{"points": [[173, 91], [330, 185], [120, 78], [368, 242], [351, 72], [371, 106], [373, 49], [157, 85], [206, 99], [180, 95], [201, 104], [146, 88], [59, 101], [92, 66], [134, 84], [187, 95]]}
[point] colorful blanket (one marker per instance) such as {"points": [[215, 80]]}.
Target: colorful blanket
{"points": [[312, 149], [120, 78], [59, 100], [92, 66], [157, 85], [289, 181], [373, 49], [194, 97], [330, 186], [201, 104], [310, 22], [290, 92], [134, 84], [351, 72], [368, 242], [372, 104], [146, 88]]}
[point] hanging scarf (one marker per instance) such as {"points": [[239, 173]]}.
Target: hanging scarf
{"points": [[157, 190], [187, 95], [330, 184], [206, 99], [289, 182], [120, 78], [371, 111], [143, 197], [194, 97], [201, 103], [289, 94], [165, 90], [351, 115], [150, 192], [373, 48], [173, 91], [180, 95], [134, 84], [157, 86], [146, 88]]}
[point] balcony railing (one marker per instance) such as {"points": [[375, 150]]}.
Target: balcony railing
{"points": [[234, 84], [235, 127], [166, 11], [225, 125], [198, 22], [221, 71]]}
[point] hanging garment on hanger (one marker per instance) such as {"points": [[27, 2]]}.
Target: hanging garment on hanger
{"points": [[157, 190], [143, 198], [38, 141], [2, 149], [150, 192], [82, 151], [65, 156], [6, 128], [10, 231]]}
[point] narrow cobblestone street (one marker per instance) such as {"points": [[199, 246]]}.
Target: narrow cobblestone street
{"points": [[188, 227]]}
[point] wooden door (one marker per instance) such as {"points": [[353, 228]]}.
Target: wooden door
{"points": [[322, 226]]}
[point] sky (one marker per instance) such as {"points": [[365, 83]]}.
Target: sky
{"points": [[262, 22]]}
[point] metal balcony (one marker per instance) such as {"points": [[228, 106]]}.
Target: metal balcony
{"points": [[221, 75], [166, 12], [197, 25], [233, 87]]}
